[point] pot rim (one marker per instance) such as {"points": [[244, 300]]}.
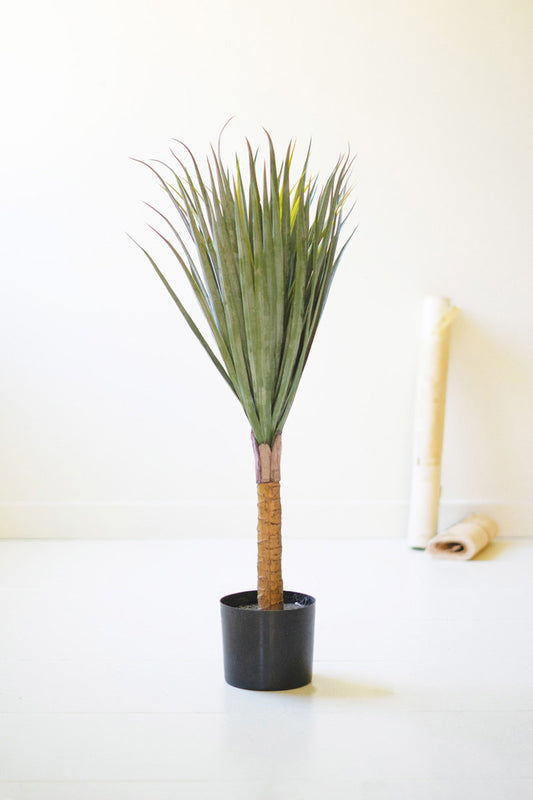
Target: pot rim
{"points": [[238, 601]]}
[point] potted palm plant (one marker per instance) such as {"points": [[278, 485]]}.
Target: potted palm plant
{"points": [[259, 250]]}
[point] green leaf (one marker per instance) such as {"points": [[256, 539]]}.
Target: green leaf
{"points": [[188, 318], [260, 262]]}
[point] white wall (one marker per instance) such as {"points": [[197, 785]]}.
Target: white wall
{"points": [[113, 420]]}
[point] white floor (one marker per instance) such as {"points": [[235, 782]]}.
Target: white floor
{"points": [[111, 683]]}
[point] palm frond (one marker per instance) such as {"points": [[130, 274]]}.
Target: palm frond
{"points": [[260, 257]]}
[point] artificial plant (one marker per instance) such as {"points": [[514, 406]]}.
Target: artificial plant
{"points": [[259, 251]]}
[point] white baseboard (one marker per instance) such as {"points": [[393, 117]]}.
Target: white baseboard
{"points": [[317, 520]]}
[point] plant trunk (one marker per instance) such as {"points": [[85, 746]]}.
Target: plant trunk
{"points": [[269, 579]]}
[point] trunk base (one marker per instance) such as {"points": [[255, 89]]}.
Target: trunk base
{"points": [[268, 650]]}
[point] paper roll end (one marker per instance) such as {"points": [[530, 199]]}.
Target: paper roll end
{"points": [[465, 539]]}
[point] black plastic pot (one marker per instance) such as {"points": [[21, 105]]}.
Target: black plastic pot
{"points": [[268, 650]]}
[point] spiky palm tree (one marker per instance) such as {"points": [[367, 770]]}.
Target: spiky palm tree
{"points": [[260, 254]]}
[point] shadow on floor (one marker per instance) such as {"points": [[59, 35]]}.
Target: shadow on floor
{"points": [[492, 551], [324, 686]]}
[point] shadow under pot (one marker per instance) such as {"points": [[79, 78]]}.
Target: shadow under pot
{"points": [[268, 650]]}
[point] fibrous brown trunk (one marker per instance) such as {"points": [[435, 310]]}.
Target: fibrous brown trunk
{"points": [[269, 579]]}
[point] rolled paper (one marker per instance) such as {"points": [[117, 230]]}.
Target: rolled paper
{"points": [[437, 314], [465, 539]]}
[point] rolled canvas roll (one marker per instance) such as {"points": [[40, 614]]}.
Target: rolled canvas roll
{"points": [[465, 539], [437, 315]]}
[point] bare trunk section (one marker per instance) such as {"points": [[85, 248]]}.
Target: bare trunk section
{"points": [[269, 579]]}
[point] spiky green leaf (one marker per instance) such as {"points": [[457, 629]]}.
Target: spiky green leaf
{"points": [[260, 261]]}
